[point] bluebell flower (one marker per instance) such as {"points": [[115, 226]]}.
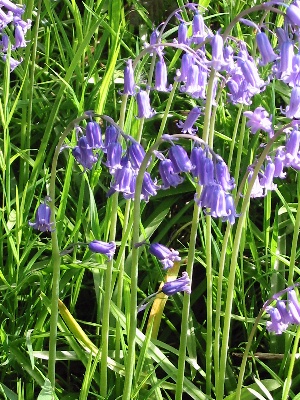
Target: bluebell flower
{"points": [[180, 159], [259, 119], [149, 187], [251, 75], [106, 248], [143, 103], [113, 157], [167, 174], [198, 28], [293, 14], [223, 176], [265, 49], [291, 75], [83, 154], [166, 256], [276, 324], [192, 82], [94, 135], [122, 181], [217, 45], [279, 162], [192, 117], [182, 33], [161, 76], [129, 84], [206, 171], [42, 219], [186, 62], [257, 189], [293, 110], [266, 180], [182, 284], [292, 146], [19, 38], [111, 136], [136, 154]]}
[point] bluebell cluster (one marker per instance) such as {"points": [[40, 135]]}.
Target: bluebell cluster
{"points": [[11, 20], [234, 70]]}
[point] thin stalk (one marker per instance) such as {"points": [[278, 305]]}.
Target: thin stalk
{"points": [[233, 264], [56, 256], [288, 380]]}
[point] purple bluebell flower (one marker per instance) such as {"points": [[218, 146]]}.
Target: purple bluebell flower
{"points": [[293, 110], [279, 162], [94, 135], [228, 55], [149, 187], [223, 176], [143, 103], [19, 38], [123, 179], [111, 136], [265, 49], [292, 77], [182, 33], [266, 180], [259, 119], [12, 62], [251, 75], [16, 10], [106, 248], [136, 154], [167, 174], [180, 159], [292, 146], [182, 284], [230, 210], [276, 324], [161, 76], [83, 154], [186, 61], [166, 256], [198, 155], [4, 42], [129, 84], [292, 298], [113, 157], [257, 189], [283, 67], [192, 117], [42, 219], [240, 90], [213, 197], [199, 33], [217, 45], [192, 82], [293, 14], [206, 172]]}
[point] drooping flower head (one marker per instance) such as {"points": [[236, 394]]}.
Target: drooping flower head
{"points": [[42, 218], [166, 256], [106, 248], [182, 284]]}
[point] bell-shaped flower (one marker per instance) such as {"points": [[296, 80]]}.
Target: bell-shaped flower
{"points": [[257, 189], [186, 62], [83, 154], [192, 117], [106, 248], [182, 33], [292, 146], [93, 135], [111, 136], [123, 179], [265, 49], [143, 104], [19, 38], [149, 187], [293, 110], [42, 219], [284, 68], [293, 78], [293, 14], [136, 154], [129, 84], [266, 180], [198, 28], [223, 176], [180, 159], [166, 256], [113, 157], [167, 174], [182, 284], [16, 10], [279, 162], [259, 119], [206, 172], [230, 210], [276, 325], [161, 76], [213, 197], [217, 45], [192, 82], [251, 74]]}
